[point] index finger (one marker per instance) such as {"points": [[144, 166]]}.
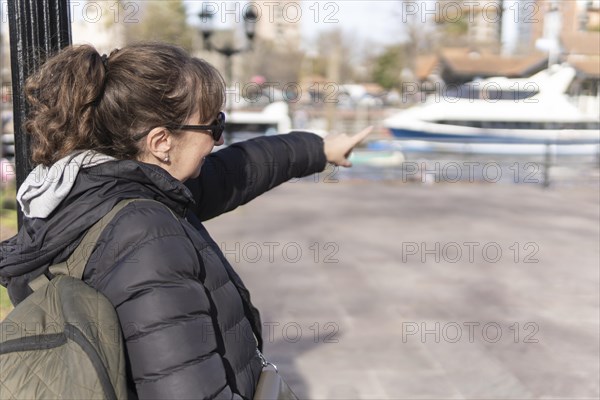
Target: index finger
{"points": [[360, 136]]}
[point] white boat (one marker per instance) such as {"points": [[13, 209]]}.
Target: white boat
{"points": [[243, 125], [533, 110]]}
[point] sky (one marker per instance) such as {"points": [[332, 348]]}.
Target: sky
{"points": [[376, 22], [370, 20], [370, 24]]}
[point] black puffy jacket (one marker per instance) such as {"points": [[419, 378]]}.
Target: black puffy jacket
{"points": [[186, 316]]}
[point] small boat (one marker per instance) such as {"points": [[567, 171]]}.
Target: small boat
{"points": [[243, 125], [533, 110]]}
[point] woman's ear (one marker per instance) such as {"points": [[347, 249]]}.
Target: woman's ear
{"points": [[159, 142]]}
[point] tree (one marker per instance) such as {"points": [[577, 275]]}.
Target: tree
{"points": [[453, 30], [275, 63], [328, 43], [388, 67]]}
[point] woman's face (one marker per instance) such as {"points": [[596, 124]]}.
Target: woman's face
{"points": [[189, 151]]}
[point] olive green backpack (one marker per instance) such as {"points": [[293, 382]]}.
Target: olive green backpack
{"points": [[64, 340]]}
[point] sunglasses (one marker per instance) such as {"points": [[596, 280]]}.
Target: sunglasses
{"points": [[216, 128]]}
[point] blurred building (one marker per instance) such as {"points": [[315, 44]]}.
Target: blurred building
{"points": [[580, 47], [279, 23], [568, 31], [278, 37], [484, 24], [522, 21], [566, 27]]}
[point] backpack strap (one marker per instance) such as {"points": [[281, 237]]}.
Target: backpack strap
{"points": [[74, 266]]}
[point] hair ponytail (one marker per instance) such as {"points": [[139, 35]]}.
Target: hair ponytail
{"points": [[62, 95], [80, 100]]}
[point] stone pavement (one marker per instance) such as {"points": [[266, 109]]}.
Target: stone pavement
{"points": [[404, 291]]}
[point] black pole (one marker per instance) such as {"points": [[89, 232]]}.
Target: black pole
{"points": [[38, 29]]}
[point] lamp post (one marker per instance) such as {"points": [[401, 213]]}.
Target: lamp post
{"points": [[228, 50]]}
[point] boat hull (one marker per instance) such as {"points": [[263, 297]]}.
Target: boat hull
{"points": [[499, 136]]}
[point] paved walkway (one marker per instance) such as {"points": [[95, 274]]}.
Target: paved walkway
{"points": [[356, 305]]}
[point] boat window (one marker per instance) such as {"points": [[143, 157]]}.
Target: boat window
{"points": [[521, 124], [245, 131], [491, 92]]}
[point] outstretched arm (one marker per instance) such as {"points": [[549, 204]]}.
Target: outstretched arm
{"points": [[243, 171]]}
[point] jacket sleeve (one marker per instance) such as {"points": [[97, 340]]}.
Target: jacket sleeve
{"points": [[163, 309], [241, 172]]}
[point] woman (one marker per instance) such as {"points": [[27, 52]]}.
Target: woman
{"points": [[141, 123]]}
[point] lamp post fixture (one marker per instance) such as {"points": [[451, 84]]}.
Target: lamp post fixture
{"points": [[207, 29]]}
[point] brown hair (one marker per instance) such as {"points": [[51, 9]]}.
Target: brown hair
{"points": [[81, 100]]}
